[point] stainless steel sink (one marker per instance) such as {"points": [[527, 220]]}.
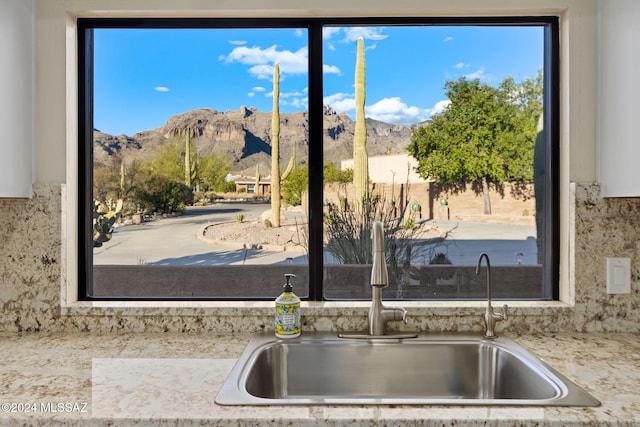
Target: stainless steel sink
{"points": [[431, 369]]}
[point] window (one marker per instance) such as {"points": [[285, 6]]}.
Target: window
{"points": [[177, 141]]}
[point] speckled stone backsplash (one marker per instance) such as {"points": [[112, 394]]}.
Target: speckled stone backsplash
{"points": [[31, 254], [31, 260], [605, 228]]}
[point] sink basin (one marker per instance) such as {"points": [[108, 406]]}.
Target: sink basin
{"points": [[430, 369]]}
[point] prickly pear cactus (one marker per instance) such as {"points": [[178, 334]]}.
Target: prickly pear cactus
{"points": [[104, 218]]}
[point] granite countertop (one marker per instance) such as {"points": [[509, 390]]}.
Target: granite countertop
{"points": [[173, 378]]}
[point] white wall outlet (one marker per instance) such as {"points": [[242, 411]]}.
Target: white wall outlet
{"points": [[618, 276]]}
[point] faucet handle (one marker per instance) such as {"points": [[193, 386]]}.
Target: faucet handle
{"points": [[397, 314], [492, 317], [501, 314], [404, 314]]}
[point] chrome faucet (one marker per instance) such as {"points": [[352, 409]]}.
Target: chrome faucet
{"points": [[491, 317], [379, 314]]}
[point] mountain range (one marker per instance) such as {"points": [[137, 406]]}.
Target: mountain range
{"points": [[244, 136]]}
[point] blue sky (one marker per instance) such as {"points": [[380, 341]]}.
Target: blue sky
{"points": [[143, 77]]}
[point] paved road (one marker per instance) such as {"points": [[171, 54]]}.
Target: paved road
{"points": [[506, 244], [173, 241]]}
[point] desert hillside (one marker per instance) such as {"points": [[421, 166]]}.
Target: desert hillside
{"points": [[244, 136]]}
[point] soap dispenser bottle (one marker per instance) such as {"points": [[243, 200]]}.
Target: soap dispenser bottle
{"points": [[288, 311]]}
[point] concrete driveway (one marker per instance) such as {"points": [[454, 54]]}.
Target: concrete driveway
{"points": [[173, 241]]}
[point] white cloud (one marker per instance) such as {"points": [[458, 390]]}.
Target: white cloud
{"points": [[352, 34], [478, 74], [258, 89], [299, 33], [331, 69], [299, 103], [263, 72], [298, 99], [346, 105], [328, 32], [340, 102], [161, 89], [388, 110], [262, 60], [448, 39], [238, 42], [251, 94], [367, 33], [393, 110], [439, 107], [290, 94], [460, 65]]}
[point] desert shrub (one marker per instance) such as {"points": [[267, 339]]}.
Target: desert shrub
{"points": [[332, 174], [225, 187], [348, 234], [164, 196], [296, 183]]}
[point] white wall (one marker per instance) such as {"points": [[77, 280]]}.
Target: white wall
{"points": [[392, 169], [619, 90], [17, 47]]}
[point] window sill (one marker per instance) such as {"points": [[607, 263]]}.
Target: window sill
{"points": [[309, 308]]}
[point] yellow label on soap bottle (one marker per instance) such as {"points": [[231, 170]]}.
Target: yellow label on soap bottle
{"points": [[288, 312]]}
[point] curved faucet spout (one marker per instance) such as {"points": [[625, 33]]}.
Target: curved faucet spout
{"points": [[486, 257], [491, 317]]}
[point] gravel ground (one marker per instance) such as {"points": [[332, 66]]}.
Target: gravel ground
{"points": [[288, 234]]}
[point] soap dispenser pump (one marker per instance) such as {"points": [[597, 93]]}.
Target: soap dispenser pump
{"points": [[288, 311]]}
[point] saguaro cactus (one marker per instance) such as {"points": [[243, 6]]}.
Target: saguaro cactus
{"points": [[187, 159], [122, 177], [276, 177], [275, 148], [257, 183], [360, 156]]}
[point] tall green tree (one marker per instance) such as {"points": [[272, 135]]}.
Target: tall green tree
{"points": [[115, 178], [332, 174], [485, 135], [294, 186], [167, 161], [212, 170]]}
